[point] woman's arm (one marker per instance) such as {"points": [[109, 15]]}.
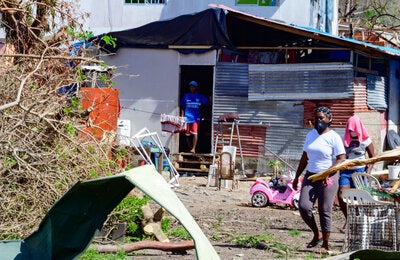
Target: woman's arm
{"points": [[300, 169], [339, 159]]}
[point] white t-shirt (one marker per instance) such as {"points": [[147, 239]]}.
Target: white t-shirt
{"points": [[322, 150]]}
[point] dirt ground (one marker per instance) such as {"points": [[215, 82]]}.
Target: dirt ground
{"points": [[224, 214]]}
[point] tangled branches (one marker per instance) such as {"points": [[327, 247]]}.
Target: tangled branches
{"points": [[42, 149]]}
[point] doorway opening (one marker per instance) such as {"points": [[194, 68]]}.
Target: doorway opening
{"points": [[204, 76]]}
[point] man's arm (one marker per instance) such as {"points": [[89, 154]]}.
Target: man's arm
{"points": [[371, 153]]}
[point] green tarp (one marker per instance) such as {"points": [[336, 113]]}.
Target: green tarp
{"points": [[69, 226]]}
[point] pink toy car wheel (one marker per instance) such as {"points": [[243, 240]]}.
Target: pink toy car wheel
{"points": [[259, 199]]}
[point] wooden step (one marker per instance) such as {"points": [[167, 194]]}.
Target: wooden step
{"points": [[193, 162], [191, 170]]}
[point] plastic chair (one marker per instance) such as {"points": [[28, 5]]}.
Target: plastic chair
{"points": [[226, 169], [369, 183], [365, 181], [359, 197]]}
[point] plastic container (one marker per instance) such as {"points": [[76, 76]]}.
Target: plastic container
{"points": [[394, 172]]}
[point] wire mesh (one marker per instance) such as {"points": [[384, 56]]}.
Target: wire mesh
{"points": [[372, 226]]}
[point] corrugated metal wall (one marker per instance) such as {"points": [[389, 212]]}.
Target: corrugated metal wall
{"points": [[341, 110], [360, 94], [300, 81], [286, 122], [231, 95], [251, 137], [377, 92]]}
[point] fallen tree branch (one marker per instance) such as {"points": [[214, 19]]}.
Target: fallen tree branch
{"points": [[391, 156], [151, 223], [164, 246], [53, 57]]}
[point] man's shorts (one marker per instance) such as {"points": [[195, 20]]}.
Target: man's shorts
{"points": [[346, 177], [192, 128]]}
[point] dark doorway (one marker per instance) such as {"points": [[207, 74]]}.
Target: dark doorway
{"points": [[204, 76]]}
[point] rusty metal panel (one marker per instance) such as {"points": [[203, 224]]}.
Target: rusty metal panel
{"points": [[300, 81], [360, 94], [251, 137], [341, 111]]}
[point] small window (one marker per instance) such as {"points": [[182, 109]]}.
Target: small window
{"points": [[259, 2], [145, 1]]}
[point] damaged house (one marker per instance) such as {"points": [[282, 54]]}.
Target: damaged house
{"points": [[270, 73]]}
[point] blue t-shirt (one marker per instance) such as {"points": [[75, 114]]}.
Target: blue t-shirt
{"points": [[192, 104]]}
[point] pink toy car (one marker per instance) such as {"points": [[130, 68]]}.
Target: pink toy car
{"points": [[277, 190]]}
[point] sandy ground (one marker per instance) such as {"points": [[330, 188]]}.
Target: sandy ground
{"points": [[225, 214]]}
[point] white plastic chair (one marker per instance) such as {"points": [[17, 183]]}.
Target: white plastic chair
{"points": [[358, 197], [365, 181], [369, 183]]}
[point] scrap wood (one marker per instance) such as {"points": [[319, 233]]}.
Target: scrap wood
{"points": [[395, 187], [151, 223], [391, 156], [164, 246]]}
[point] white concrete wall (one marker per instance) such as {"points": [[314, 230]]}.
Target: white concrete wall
{"points": [[115, 15], [148, 82]]}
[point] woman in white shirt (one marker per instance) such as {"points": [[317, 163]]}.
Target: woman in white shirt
{"points": [[322, 149]]}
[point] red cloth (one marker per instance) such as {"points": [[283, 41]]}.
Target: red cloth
{"points": [[355, 124]]}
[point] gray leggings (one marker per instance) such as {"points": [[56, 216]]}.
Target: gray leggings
{"points": [[310, 191]]}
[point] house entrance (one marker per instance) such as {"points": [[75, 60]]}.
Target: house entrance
{"points": [[203, 75]]}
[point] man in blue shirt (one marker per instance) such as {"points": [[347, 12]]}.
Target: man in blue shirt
{"points": [[191, 109]]}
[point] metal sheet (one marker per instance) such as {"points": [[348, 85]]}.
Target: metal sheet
{"points": [[286, 122], [377, 92], [287, 142], [230, 95], [300, 81]]}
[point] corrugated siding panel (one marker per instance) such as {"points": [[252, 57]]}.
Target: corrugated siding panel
{"points": [[341, 111], [286, 142], [251, 137], [230, 95], [286, 122], [360, 94], [300, 81], [290, 144], [377, 92]]}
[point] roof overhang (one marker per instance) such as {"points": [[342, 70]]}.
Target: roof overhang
{"points": [[289, 34]]}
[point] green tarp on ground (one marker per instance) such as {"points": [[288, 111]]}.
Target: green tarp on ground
{"points": [[70, 225]]}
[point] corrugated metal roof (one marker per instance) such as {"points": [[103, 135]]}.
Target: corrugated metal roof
{"points": [[360, 45], [313, 33]]}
